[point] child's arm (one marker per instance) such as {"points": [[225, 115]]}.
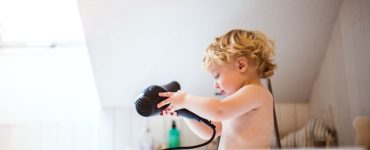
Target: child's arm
{"points": [[202, 130], [244, 100]]}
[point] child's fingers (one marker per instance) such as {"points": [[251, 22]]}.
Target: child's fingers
{"points": [[174, 114], [164, 102], [164, 113], [165, 94], [171, 108], [167, 112]]}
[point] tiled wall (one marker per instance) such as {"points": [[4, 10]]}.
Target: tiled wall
{"points": [[116, 129], [47, 137], [292, 116], [120, 129]]}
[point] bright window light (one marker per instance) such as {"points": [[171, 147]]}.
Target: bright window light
{"points": [[45, 71], [40, 20]]}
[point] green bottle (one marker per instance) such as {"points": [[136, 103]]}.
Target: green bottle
{"points": [[174, 136]]}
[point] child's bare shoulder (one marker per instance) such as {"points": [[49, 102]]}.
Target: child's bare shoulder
{"points": [[256, 91]]}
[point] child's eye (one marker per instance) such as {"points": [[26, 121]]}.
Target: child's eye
{"points": [[217, 75]]}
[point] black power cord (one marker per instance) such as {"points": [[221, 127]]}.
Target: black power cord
{"points": [[199, 145], [275, 120]]}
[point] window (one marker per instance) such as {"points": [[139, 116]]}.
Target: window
{"points": [[40, 22], [44, 63]]}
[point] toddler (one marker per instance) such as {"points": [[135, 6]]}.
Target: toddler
{"points": [[237, 61]]}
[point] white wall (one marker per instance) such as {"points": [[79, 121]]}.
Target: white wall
{"points": [[133, 44], [46, 85], [343, 84]]}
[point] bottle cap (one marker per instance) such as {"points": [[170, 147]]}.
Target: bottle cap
{"points": [[173, 124]]}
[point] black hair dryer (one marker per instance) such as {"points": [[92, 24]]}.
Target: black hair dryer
{"points": [[146, 103]]}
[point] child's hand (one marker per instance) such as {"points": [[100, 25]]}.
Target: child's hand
{"points": [[167, 113], [175, 99]]}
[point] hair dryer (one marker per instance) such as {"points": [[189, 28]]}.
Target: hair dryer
{"points": [[146, 105]]}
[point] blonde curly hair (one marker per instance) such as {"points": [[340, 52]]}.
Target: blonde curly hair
{"points": [[253, 45]]}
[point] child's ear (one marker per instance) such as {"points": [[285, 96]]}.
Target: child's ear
{"points": [[242, 64]]}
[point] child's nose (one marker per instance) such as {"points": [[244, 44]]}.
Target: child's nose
{"points": [[216, 86]]}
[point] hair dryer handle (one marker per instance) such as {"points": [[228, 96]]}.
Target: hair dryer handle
{"points": [[188, 114]]}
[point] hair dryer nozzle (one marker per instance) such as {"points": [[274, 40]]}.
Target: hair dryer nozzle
{"points": [[173, 86], [146, 103], [144, 106]]}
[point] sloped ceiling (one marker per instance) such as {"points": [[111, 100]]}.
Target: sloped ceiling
{"points": [[134, 44]]}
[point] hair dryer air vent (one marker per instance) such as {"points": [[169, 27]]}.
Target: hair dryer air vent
{"points": [[144, 106]]}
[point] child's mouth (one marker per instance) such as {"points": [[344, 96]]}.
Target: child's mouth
{"points": [[221, 92]]}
